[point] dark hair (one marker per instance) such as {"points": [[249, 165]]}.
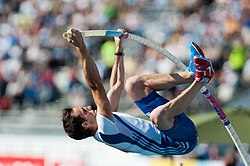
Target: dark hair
{"points": [[73, 125]]}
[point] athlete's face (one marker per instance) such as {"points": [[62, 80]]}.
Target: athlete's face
{"points": [[87, 113]]}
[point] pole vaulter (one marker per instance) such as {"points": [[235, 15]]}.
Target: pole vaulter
{"points": [[204, 90]]}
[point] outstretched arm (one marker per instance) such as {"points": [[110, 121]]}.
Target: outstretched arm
{"points": [[91, 75], [117, 75]]}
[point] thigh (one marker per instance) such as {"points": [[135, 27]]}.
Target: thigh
{"points": [[135, 87]]}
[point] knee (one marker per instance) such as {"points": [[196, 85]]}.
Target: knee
{"points": [[161, 118], [133, 83], [156, 117]]}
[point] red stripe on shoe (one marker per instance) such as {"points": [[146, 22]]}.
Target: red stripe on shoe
{"points": [[198, 49]]}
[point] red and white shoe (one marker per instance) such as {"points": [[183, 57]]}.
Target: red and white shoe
{"points": [[204, 71]]}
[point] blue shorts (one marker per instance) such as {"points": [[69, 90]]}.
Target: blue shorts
{"points": [[148, 103], [183, 129]]}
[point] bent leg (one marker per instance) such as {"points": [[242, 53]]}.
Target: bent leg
{"points": [[163, 116], [140, 86]]}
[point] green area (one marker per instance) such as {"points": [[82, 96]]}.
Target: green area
{"points": [[211, 129]]}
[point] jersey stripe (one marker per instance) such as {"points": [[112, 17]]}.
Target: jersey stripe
{"points": [[163, 148]]}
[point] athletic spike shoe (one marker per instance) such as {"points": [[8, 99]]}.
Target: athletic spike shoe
{"points": [[195, 51], [204, 71]]}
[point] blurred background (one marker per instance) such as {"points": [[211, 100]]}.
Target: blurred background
{"points": [[40, 74]]}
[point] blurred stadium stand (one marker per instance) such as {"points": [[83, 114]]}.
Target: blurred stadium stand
{"points": [[39, 73], [39, 67]]}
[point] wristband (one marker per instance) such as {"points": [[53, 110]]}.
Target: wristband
{"points": [[119, 54]]}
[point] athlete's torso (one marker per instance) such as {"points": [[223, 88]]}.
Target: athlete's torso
{"points": [[132, 134]]}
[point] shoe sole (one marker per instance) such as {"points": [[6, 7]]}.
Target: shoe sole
{"points": [[198, 49]]}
